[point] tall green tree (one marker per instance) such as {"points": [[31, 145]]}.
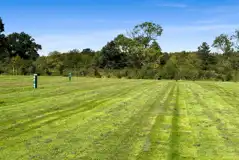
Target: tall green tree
{"points": [[124, 43], [74, 51], [55, 62], [16, 64], [146, 32], [204, 49], [1, 25], [41, 65], [23, 45], [87, 51], [204, 54], [112, 57], [236, 37], [223, 43], [54, 53], [130, 49], [171, 68], [155, 46], [3, 53]]}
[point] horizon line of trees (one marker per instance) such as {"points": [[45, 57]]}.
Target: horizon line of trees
{"points": [[134, 55]]}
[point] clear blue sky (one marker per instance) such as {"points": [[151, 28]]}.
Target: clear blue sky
{"points": [[67, 24]]}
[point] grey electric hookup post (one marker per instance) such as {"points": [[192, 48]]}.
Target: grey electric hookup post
{"points": [[35, 81], [69, 76]]}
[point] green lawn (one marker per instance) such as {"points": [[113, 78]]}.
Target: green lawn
{"points": [[112, 119]]}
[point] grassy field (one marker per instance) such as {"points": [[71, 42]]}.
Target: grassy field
{"points": [[111, 119]]}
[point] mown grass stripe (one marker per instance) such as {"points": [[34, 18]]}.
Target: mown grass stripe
{"points": [[119, 122], [91, 129], [158, 138], [212, 132], [76, 96], [118, 119], [125, 91], [58, 113], [174, 138]]}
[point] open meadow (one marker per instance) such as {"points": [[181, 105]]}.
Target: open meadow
{"points": [[118, 119]]}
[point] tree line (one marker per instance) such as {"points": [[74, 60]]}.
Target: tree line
{"points": [[136, 54]]}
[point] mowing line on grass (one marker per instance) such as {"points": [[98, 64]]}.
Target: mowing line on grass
{"points": [[158, 134], [60, 114], [44, 94], [218, 128], [106, 145], [108, 121], [174, 138], [58, 105], [187, 136], [145, 86], [137, 128]]}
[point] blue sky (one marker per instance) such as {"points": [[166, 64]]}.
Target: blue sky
{"points": [[68, 24]]}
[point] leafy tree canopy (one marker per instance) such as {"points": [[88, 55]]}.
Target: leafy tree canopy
{"points": [[146, 32], [23, 45], [1, 25], [223, 43]]}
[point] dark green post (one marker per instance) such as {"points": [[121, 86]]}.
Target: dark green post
{"points": [[70, 76], [35, 81]]}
